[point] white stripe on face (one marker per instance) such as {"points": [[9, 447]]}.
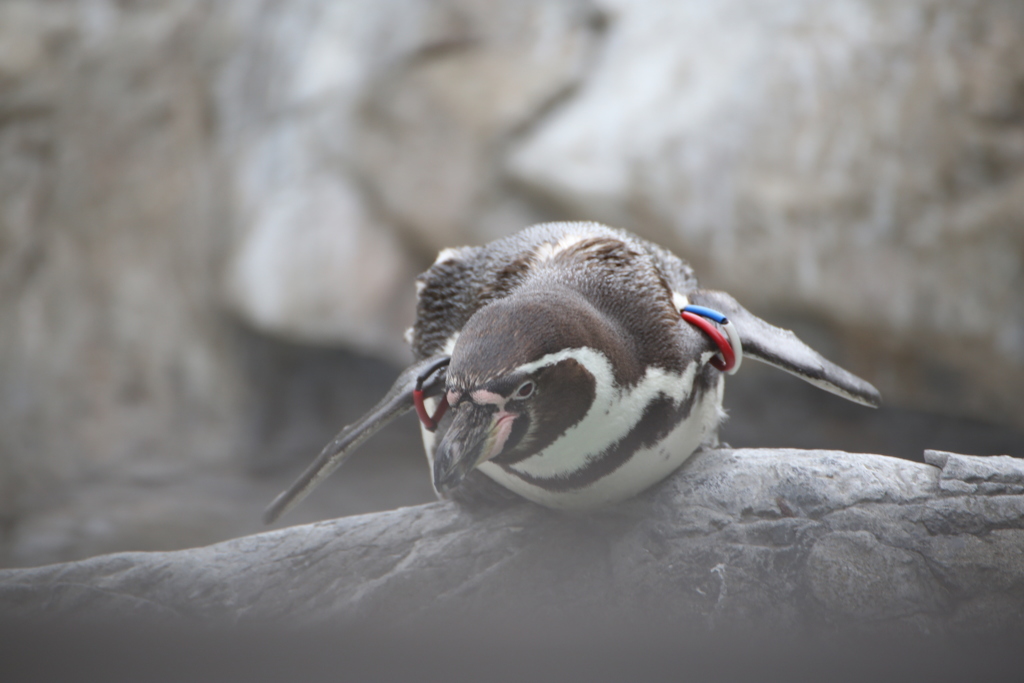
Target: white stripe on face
{"points": [[647, 467], [484, 397], [613, 414]]}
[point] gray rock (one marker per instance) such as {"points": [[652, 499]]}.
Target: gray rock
{"points": [[363, 137], [790, 541], [169, 168], [115, 361], [308, 259], [998, 474], [435, 125], [855, 160]]}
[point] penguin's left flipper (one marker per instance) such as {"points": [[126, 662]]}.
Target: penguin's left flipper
{"points": [[784, 350], [397, 401]]}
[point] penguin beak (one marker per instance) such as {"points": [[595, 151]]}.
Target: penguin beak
{"points": [[477, 434]]}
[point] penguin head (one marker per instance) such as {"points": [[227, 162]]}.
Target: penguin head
{"points": [[522, 373]]}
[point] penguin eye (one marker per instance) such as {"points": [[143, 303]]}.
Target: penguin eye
{"points": [[525, 389]]}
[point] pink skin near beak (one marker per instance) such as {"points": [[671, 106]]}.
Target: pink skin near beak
{"points": [[502, 422], [476, 435]]}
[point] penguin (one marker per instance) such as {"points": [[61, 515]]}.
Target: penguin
{"points": [[571, 364]]}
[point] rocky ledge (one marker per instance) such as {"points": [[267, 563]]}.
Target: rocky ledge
{"points": [[800, 541]]}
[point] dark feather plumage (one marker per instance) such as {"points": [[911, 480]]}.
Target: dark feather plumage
{"points": [[614, 391]]}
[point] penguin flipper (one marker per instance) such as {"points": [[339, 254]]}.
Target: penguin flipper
{"points": [[397, 401], [784, 350]]}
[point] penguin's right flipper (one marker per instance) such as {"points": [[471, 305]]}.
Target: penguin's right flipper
{"points": [[784, 350], [399, 400]]}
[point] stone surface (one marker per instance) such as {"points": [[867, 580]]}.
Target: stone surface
{"points": [[171, 168], [115, 360], [308, 259], [300, 398], [995, 475], [363, 137], [176, 174], [801, 542], [860, 161]]}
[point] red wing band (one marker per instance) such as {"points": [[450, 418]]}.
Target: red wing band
{"points": [[429, 421], [730, 349]]}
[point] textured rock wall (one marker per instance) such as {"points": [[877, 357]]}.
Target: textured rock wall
{"points": [[856, 162], [113, 353], [170, 168], [860, 160], [364, 137]]}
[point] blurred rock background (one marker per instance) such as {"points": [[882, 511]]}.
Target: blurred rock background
{"points": [[211, 214]]}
